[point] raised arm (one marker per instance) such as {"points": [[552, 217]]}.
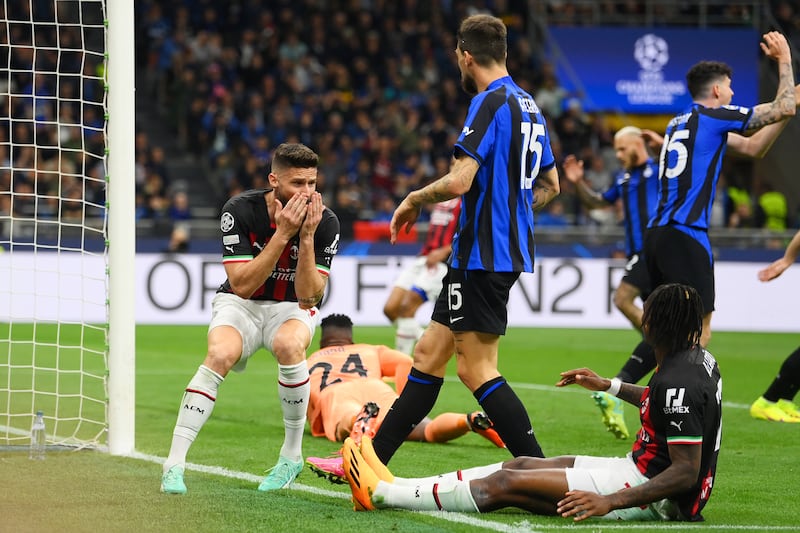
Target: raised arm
{"points": [[758, 144], [573, 171], [309, 284], [246, 277], [784, 104]]}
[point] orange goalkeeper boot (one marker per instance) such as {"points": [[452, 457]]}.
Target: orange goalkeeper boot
{"points": [[480, 424]]}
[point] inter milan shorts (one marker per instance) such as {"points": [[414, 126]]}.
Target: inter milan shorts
{"points": [[474, 300], [636, 275], [672, 256]]}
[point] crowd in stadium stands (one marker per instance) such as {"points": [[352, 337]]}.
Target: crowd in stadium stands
{"points": [[51, 123], [373, 87], [629, 13]]}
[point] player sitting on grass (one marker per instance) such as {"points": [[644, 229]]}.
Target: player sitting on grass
{"points": [[349, 396], [668, 475]]}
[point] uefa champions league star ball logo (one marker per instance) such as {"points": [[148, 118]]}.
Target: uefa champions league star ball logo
{"points": [[652, 87], [226, 222], [651, 52]]}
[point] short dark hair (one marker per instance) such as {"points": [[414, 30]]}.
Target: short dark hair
{"points": [[294, 155], [483, 36], [704, 74], [673, 317], [336, 321]]}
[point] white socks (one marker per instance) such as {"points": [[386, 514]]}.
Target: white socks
{"points": [[196, 407], [294, 391], [469, 474], [408, 331], [440, 496], [201, 394]]}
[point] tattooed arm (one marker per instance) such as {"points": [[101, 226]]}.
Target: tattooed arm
{"points": [[455, 183], [784, 104], [545, 188], [758, 144]]}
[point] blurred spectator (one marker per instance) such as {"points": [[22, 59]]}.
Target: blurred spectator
{"points": [[550, 96], [786, 15], [771, 208], [384, 209], [371, 86], [723, 205], [598, 176], [180, 215], [552, 215]]}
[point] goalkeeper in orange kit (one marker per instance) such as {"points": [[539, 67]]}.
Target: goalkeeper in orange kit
{"points": [[350, 395]]}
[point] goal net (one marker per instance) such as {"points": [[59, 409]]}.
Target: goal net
{"points": [[54, 221]]}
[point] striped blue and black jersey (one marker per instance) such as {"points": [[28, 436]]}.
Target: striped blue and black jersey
{"points": [[690, 163], [506, 134], [638, 189]]}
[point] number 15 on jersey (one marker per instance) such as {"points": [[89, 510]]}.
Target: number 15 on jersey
{"points": [[531, 133]]}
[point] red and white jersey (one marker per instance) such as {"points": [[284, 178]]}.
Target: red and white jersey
{"points": [[246, 230], [442, 226]]}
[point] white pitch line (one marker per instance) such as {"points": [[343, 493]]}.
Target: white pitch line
{"points": [[468, 519], [450, 517], [471, 520]]}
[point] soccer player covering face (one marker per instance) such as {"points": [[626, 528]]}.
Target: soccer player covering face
{"points": [[637, 187], [677, 248], [668, 475], [278, 245], [503, 169]]}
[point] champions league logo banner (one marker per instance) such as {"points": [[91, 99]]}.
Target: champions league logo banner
{"points": [[644, 70]]}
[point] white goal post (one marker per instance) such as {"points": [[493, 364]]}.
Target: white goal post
{"points": [[67, 224]]}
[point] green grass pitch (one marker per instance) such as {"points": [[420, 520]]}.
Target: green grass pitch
{"points": [[756, 486]]}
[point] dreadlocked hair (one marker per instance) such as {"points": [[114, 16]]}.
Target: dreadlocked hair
{"points": [[336, 321], [673, 317]]}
